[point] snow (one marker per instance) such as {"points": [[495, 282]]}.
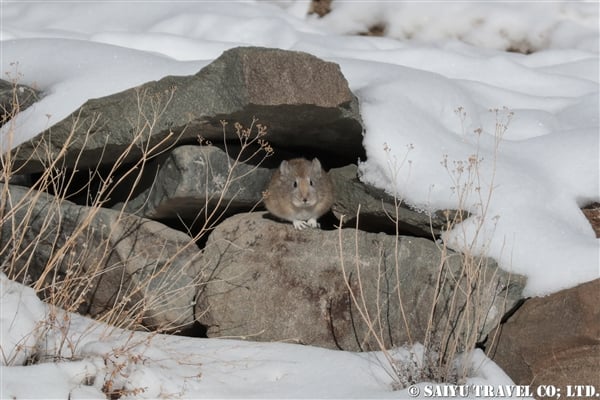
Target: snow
{"points": [[425, 93], [145, 365], [499, 25]]}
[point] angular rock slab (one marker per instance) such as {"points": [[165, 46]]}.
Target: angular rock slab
{"points": [[553, 340], [113, 255], [270, 282], [304, 101], [378, 209], [193, 180]]}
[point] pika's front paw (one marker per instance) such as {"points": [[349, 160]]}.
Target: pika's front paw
{"points": [[298, 224], [311, 223]]}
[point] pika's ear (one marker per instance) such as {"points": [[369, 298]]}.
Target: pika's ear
{"points": [[284, 168], [316, 167]]}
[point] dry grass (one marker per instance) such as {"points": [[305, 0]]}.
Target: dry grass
{"points": [[65, 260], [462, 289]]}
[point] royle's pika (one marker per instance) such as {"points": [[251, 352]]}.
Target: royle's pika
{"points": [[300, 191]]}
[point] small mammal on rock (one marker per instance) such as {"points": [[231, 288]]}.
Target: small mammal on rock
{"points": [[300, 191]]}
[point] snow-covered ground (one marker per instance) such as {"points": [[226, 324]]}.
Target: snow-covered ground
{"points": [[87, 355], [437, 58]]}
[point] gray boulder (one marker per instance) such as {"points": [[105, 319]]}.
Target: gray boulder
{"points": [[107, 259], [195, 181], [305, 102], [270, 282]]}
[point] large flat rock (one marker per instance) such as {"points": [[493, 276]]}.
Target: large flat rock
{"points": [[305, 102], [271, 282]]}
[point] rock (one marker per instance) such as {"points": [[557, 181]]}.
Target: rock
{"points": [[193, 180], [104, 256], [320, 7], [305, 102], [553, 340], [378, 210], [270, 282], [15, 98], [592, 213]]}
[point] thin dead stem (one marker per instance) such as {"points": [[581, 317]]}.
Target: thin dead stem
{"points": [[461, 290]]}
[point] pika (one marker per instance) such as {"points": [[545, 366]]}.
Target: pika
{"points": [[300, 191]]}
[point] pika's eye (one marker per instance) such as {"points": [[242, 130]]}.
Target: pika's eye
{"points": [[311, 182], [295, 184]]}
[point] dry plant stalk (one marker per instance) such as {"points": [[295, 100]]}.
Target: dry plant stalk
{"points": [[449, 355], [446, 348], [251, 146], [72, 267]]}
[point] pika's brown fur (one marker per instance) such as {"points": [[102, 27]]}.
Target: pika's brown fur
{"points": [[300, 191]]}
